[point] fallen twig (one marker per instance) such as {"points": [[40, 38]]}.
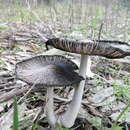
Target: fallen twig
{"points": [[11, 94]]}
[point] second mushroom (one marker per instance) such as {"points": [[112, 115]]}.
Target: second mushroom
{"points": [[49, 72]]}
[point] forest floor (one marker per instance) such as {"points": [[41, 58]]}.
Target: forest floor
{"points": [[105, 94]]}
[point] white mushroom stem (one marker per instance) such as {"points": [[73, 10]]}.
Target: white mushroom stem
{"points": [[77, 60], [68, 118], [89, 73], [50, 106]]}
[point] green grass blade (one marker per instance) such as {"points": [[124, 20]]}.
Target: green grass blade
{"points": [[15, 115], [118, 118]]}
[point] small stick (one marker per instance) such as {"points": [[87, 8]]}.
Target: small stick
{"points": [[12, 93], [39, 113], [26, 93], [100, 30]]}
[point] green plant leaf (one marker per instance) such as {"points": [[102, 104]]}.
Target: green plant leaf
{"points": [[34, 126], [2, 62], [114, 125], [15, 115], [58, 127], [97, 12], [3, 27], [93, 23]]}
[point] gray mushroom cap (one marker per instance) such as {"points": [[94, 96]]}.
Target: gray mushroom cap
{"points": [[48, 71], [107, 48]]}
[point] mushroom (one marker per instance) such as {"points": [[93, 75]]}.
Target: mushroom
{"points": [[49, 72], [108, 49]]}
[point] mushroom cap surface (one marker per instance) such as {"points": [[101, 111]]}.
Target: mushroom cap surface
{"points": [[48, 71], [106, 48]]}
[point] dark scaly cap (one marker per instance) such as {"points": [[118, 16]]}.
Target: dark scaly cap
{"points": [[107, 48], [48, 71]]}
